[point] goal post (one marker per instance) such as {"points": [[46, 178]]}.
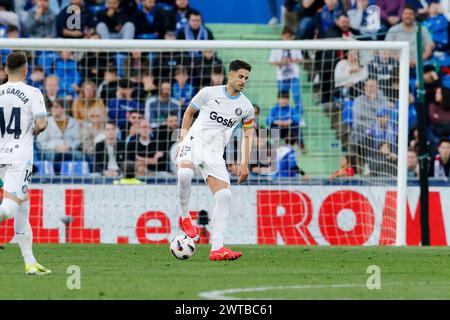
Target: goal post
{"points": [[259, 223]]}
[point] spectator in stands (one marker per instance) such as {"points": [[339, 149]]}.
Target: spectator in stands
{"points": [[122, 104], [384, 68], [131, 129], [51, 86], [346, 169], [113, 23], [56, 6], [149, 20], [128, 175], [288, 71], [87, 21], [263, 156], [7, 15], [135, 64], [412, 164], [148, 81], [306, 17], [67, 71], [86, 100], [158, 108], [182, 90], [93, 64], [391, 11], [327, 60], [365, 110], [37, 77], [438, 26], [431, 81], [178, 16], [165, 63], [164, 135], [359, 18], [382, 131], [218, 76], [413, 139], [439, 117], [145, 151], [327, 16], [12, 32], [440, 167], [291, 12], [349, 75], [108, 88], [204, 66], [257, 124], [285, 118], [61, 140], [93, 129], [195, 30], [40, 21], [109, 153], [406, 30], [383, 161]]}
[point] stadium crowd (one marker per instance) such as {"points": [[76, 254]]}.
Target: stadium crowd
{"points": [[110, 109]]}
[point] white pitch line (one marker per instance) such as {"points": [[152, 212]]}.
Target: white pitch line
{"points": [[222, 294]]}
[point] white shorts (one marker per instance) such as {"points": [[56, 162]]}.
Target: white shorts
{"points": [[210, 162], [16, 178]]}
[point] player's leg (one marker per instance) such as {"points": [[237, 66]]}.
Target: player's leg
{"points": [[220, 187], [9, 205], [16, 182], [186, 169]]}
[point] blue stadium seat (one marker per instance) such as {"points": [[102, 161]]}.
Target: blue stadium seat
{"points": [[75, 168], [44, 168]]}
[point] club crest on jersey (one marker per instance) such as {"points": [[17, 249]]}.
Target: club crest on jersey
{"points": [[226, 122], [238, 111]]}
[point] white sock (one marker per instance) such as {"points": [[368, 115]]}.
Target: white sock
{"points": [[8, 209], [184, 189], [24, 234], [220, 217]]}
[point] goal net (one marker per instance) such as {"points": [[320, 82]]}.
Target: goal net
{"points": [[328, 164]]}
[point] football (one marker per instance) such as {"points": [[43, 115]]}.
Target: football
{"points": [[182, 247]]}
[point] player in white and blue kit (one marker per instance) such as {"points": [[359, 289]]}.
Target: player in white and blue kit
{"points": [[22, 116], [221, 109]]}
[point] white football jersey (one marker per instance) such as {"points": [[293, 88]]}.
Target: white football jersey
{"points": [[20, 104], [219, 116]]}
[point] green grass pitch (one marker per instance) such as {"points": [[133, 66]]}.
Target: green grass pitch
{"points": [[276, 272]]}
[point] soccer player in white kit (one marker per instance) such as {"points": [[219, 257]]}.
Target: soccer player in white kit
{"points": [[221, 109], [22, 116]]}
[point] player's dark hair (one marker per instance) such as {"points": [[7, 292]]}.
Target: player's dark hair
{"points": [[235, 65], [443, 140], [16, 60], [172, 114]]}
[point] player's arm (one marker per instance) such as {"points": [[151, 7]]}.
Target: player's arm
{"points": [[40, 124], [187, 120], [246, 149]]}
